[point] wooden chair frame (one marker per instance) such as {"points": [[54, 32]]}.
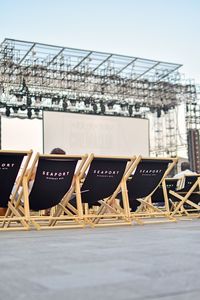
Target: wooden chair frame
{"points": [[12, 214], [179, 209], [165, 191], [147, 212], [101, 217], [39, 221]]}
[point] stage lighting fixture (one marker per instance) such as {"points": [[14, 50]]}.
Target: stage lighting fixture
{"points": [[152, 109], [29, 101], [38, 99], [65, 105], [2, 104], [15, 109], [95, 108], [36, 110], [73, 102], [7, 111], [137, 107], [110, 105], [29, 113], [24, 86], [23, 107], [19, 97], [55, 101], [1, 90], [87, 103], [158, 112], [103, 109], [165, 109], [130, 110], [123, 106]]}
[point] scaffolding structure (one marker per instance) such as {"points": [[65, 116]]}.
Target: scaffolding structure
{"points": [[36, 77]]}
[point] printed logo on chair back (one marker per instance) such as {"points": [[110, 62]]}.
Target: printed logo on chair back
{"points": [[53, 180], [103, 178], [171, 184], [9, 167]]}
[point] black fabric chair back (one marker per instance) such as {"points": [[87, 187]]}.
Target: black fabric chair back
{"points": [[194, 197], [52, 181], [158, 196], [103, 178], [147, 176], [189, 181], [10, 164]]}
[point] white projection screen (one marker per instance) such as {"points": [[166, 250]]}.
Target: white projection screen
{"points": [[101, 135], [21, 134]]}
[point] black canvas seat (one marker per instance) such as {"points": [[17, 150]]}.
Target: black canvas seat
{"points": [[101, 185], [54, 179], [103, 178], [13, 165], [144, 179]]}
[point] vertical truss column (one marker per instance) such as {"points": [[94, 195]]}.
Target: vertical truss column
{"points": [[171, 133], [192, 113], [156, 136]]}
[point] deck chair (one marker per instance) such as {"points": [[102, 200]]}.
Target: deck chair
{"points": [[54, 180], [145, 175], [104, 179], [12, 164], [188, 197], [161, 197]]}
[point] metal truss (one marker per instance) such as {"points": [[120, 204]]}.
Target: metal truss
{"points": [[193, 106], [36, 77]]}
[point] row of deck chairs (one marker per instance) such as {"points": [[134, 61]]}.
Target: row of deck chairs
{"points": [[77, 191]]}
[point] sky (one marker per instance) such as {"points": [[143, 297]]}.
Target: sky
{"points": [[166, 30]]}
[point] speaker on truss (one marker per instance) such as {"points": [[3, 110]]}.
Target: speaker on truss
{"points": [[0, 131], [194, 149]]}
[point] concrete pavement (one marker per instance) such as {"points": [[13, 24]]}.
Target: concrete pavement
{"points": [[119, 263]]}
